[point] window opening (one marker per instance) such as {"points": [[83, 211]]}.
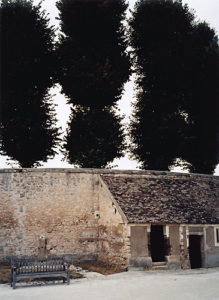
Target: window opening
{"points": [[216, 230]]}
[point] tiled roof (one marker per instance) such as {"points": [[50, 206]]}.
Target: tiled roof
{"points": [[165, 198]]}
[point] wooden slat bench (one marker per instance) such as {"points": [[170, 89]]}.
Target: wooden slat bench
{"points": [[38, 268]]}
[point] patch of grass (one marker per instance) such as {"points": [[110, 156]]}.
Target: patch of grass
{"points": [[101, 267], [5, 274], [75, 275]]}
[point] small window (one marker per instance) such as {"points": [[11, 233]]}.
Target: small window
{"points": [[216, 233]]}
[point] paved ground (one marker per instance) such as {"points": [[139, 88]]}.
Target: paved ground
{"points": [[132, 285]]}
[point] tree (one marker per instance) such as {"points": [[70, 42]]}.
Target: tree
{"points": [[166, 53], [156, 132], [93, 67], [94, 138], [27, 120], [94, 64], [201, 147]]}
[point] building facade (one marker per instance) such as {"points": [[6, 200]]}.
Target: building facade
{"points": [[140, 219]]}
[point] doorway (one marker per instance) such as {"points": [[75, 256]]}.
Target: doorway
{"points": [[195, 251], [157, 243]]}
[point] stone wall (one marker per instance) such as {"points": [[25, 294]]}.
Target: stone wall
{"points": [[176, 245], [55, 211], [174, 257], [211, 249], [77, 212], [184, 251], [113, 240], [139, 240], [56, 207]]}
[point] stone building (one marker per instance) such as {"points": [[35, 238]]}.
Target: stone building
{"points": [[126, 218]]}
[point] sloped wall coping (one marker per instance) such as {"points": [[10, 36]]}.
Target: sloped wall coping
{"points": [[107, 171]]}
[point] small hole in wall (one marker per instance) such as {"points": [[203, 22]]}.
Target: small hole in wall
{"points": [[114, 208], [97, 215]]}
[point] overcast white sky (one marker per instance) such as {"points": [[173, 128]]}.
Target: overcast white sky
{"points": [[207, 10]]}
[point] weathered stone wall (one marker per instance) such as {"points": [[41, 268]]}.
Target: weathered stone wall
{"points": [[184, 251], [140, 256], [176, 245], [208, 247], [78, 212], [174, 251], [174, 240], [56, 206], [60, 212], [113, 241], [211, 250]]}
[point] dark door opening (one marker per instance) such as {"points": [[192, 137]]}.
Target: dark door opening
{"points": [[157, 243], [195, 251]]}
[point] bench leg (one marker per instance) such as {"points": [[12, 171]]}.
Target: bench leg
{"points": [[68, 278], [14, 280]]}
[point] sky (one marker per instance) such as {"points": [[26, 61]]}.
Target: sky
{"points": [[205, 10]]}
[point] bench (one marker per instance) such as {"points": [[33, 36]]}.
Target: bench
{"points": [[38, 268]]}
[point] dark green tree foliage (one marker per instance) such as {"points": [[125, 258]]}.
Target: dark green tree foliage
{"points": [[93, 68], [159, 30], [202, 101], [94, 138], [166, 53], [27, 66], [156, 134], [92, 54]]}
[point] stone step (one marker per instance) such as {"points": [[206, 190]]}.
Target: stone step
{"points": [[154, 268], [130, 268], [159, 263]]}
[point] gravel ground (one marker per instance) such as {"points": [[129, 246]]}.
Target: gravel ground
{"points": [[133, 285]]}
